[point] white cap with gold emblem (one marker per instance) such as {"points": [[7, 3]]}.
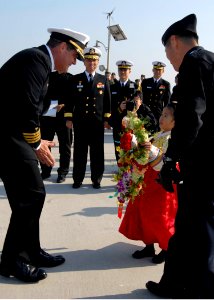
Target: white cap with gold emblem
{"points": [[158, 65], [77, 39], [92, 53], [124, 64]]}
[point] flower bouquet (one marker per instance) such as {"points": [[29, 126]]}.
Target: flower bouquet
{"points": [[133, 160]]}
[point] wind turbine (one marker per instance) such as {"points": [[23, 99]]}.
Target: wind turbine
{"points": [[109, 13]]}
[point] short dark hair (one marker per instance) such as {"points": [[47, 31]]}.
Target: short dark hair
{"points": [[188, 36], [52, 43]]}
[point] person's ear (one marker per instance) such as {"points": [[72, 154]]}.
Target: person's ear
{"points": [[173, 41]]}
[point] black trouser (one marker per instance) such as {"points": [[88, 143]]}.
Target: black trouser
{"points": [[190, 255], [26, 195], [88, 134], [56, 125]]}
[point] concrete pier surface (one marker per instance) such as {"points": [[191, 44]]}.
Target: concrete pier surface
{"points": [[82, 225]]}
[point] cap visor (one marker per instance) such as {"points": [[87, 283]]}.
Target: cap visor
{"points": [[80, 56]]}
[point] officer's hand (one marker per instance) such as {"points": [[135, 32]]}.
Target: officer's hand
{"points": [[69, 124], [106, 125], [44, 154], [59, 107], [169, 175]]}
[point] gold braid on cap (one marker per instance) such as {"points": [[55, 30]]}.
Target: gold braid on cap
{"points": [[78, 48], [124, 67], [90, 56]]}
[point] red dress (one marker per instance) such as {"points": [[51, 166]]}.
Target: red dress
{"points": [[151, 216]]}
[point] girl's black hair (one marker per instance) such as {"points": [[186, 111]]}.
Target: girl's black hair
{"points": [[137, 94], [171, 106]]}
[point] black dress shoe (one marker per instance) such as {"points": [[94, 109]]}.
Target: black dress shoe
{"points": [[46, 260], [159, 258], [148, 251], [60, 178], [22, 271], [96, 185], [173, 292], [76, 185], [158, 290], [45, 175]]}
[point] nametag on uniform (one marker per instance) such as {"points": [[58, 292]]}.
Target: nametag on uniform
{"points": [[113, 93]]}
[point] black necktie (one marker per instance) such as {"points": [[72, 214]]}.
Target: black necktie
{"points": [[90, 77]]}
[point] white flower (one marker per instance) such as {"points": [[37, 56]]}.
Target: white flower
{"points": [[134, 142]]}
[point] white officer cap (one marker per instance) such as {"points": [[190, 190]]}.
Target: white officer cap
{"points": [[92, 53], [158, 65], [77, 39], [124, 64]]}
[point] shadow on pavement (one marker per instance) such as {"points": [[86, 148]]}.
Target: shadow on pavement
{"points": [[114, 256], [95, 212], [136, 294]]}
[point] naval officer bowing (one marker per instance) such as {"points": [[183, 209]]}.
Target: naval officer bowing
{"points": [[24, 82]]}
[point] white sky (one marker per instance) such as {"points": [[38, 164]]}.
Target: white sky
{"points": [[24, 23]]}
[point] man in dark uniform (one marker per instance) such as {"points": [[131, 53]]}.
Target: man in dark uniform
{"points": [[156, 90], [55, 123], [24, 82], [121, 92], [88, 113], [189, 265], [113, 77]]}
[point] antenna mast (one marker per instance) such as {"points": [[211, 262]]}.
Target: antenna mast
{"points": [[109, 38]]}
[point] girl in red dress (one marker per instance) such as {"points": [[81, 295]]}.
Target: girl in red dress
{"points": [[150, 218]]}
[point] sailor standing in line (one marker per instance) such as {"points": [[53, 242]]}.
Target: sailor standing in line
{"points": [[88, 112], [121, 91], [156, 90]]}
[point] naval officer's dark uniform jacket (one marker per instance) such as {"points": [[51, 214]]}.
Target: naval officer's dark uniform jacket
{"points": [[24, 83], [118, 95], [57, 90], [156, 95], [89, 107], [191, 144]]}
